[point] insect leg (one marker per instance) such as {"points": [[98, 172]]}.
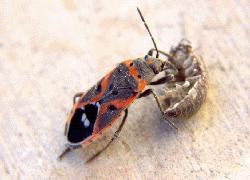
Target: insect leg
{"points": [[77, 95], [116, 135], [150, 91], [178, 92], [66, 151], [162, 80], [172, 93], [193, 78], [181, 88]]}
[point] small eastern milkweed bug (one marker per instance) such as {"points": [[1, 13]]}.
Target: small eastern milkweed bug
{"points": [[98, 108]]}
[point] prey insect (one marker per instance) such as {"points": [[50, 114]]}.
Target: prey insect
{"points": [[187, 89], [96, 110]]}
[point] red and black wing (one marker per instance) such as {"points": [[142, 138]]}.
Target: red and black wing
{"points": [[103, 103]]}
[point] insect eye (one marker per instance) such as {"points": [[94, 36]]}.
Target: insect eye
{"points": [[145, 57]]}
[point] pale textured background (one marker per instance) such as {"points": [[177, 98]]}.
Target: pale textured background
{"points": [[50, 50]]}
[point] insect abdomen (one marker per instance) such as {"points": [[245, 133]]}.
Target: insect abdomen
{"points": [[192, 101], [186, 100]]}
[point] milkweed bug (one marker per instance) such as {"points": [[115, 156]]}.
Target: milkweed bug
{"points": [[98, 108]]}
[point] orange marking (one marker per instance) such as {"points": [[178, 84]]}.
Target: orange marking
{"points": [[119, 104], [133, 72], [104, 83]]}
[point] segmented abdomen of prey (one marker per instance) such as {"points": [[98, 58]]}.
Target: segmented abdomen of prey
{"points": [[191, 102], [193, 78]]}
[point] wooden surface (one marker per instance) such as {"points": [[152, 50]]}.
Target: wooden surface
{"points": [[50, 50]]}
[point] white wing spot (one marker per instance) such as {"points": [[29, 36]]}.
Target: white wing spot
{"points": [[83, 117], [86, 123]]}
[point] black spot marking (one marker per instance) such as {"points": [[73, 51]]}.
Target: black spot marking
{"points": [[114, 92], [121, 81], [112, 108], [144, 70], [100, 101], [131, 64], [139, 76], [77, 131]]}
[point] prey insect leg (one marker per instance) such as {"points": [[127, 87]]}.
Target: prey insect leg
{"points": [[193, 78], [116, 135], [150, 91], [162, 80], [179, 90]]}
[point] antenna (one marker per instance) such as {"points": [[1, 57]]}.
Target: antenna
{"points": [[145, 24]]}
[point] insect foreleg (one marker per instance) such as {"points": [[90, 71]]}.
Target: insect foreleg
{"points": [[150, 91]]}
